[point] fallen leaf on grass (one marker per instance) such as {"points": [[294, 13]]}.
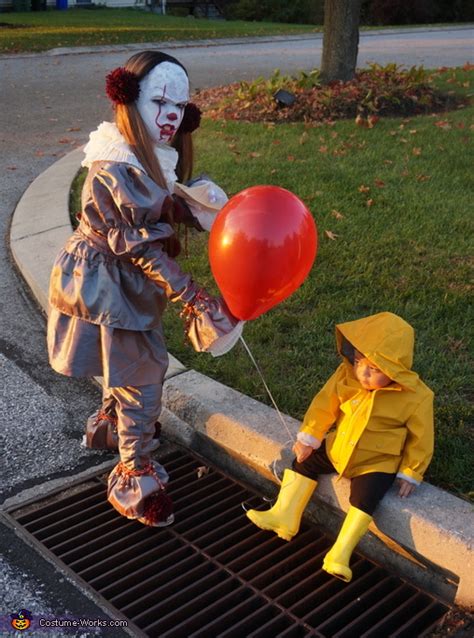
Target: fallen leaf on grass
{"points": [[255, 154], [372, 120], [443, 124], [273, 171], [276, 142], [337, 214], [416, 150], [379, 182], [323, 149], [304, 138], [290, 158], [388, 162], [363, 189], [370, 202], [330, 235], [423, 178]]}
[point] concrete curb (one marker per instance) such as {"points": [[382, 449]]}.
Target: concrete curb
{"points": [[431, 533]]}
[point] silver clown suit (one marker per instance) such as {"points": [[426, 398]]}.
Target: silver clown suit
{"points": [[109, 288]]}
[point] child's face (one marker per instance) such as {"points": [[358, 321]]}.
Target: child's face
{"points": [[164, 93], [367, 374]]}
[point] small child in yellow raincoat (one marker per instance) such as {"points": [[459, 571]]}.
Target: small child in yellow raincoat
{"points": [[372, 422]]}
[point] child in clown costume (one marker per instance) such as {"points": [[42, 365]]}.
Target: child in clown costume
{"points": [[372, 422], [111, 282]]}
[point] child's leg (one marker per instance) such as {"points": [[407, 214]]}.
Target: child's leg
{"points": [[317, 463], [101, 426], [366, 493], [369, 489], [296, 489], [136, 485]]}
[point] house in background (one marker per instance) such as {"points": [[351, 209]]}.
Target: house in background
{"points": [[199, 8]]}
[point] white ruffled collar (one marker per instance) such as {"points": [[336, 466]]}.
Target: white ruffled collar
{"points": [[107, 143]]}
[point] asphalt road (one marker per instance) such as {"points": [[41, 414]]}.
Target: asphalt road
{"points": [[48, 105]]}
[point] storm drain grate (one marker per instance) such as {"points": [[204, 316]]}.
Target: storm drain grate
{"points": [[213, 573]]}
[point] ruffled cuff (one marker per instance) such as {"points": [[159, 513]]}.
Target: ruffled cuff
{"points": [[308, 439], [209, 325], [408, 479]]}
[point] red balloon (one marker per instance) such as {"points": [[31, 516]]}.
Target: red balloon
{"points": [[261, 248]]}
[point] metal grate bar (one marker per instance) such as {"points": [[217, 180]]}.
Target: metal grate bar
{"points": [[210, 620], [353, 608], [94, 541], [375, 613], [116, 555], [138, 558], [194, 600], [61, 510], [259, 617], [305, 563], [196, 611], [235, 605], [213, 573], [51, 509], [63, 539], [183, 562], [420, 624], [318, 605]]}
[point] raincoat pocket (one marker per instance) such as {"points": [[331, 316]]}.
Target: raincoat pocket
{"points": [[383, 441]]}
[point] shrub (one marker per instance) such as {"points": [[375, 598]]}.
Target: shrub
{"points": [[298, 11], [375, 91]]}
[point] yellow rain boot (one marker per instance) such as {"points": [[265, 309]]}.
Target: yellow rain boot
{"points": [[285, 516], [336, 561]]}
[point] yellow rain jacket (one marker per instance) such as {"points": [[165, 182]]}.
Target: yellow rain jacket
{"points": [[386, 430]]}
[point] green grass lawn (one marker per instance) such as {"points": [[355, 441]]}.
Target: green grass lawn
{"points": [[398, 199], [42, 30]]}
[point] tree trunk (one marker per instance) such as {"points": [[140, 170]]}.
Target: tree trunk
{"points": [[340, 40]]}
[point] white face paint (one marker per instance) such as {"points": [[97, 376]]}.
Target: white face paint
{"points": [[164, 93]]}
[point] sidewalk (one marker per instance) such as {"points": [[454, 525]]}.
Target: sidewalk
{"points": [[427, 539]]}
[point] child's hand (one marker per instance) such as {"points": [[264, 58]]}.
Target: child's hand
{"points": [[406, 488], [301, 451]]}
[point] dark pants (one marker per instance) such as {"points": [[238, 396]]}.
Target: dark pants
{"points": [[366, 491]]}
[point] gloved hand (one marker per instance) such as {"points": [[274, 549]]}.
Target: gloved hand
{"points": [[182, 214], [209, 324]]}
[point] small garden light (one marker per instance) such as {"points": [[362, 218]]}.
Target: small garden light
{"points": [[284, 98]]}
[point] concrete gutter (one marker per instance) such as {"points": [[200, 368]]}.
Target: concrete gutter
{"points": [[427, 538]]}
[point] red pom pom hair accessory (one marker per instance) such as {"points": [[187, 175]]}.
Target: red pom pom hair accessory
{"points": [[122, 86], [191, 119]]}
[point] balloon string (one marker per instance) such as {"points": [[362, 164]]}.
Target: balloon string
{"points": [[267, 388]]}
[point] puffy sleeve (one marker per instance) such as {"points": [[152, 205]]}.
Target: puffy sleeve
{"points": [[419, 443], [132, 207], [324, 408]]}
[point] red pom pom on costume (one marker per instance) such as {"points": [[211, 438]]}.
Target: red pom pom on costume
{"points": [[122, 86], [191, 119]]}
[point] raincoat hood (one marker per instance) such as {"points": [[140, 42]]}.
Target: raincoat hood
{"points": [[386, 340]]}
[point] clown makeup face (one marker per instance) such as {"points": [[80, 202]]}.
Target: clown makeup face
{"points": [[164, 93]]}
